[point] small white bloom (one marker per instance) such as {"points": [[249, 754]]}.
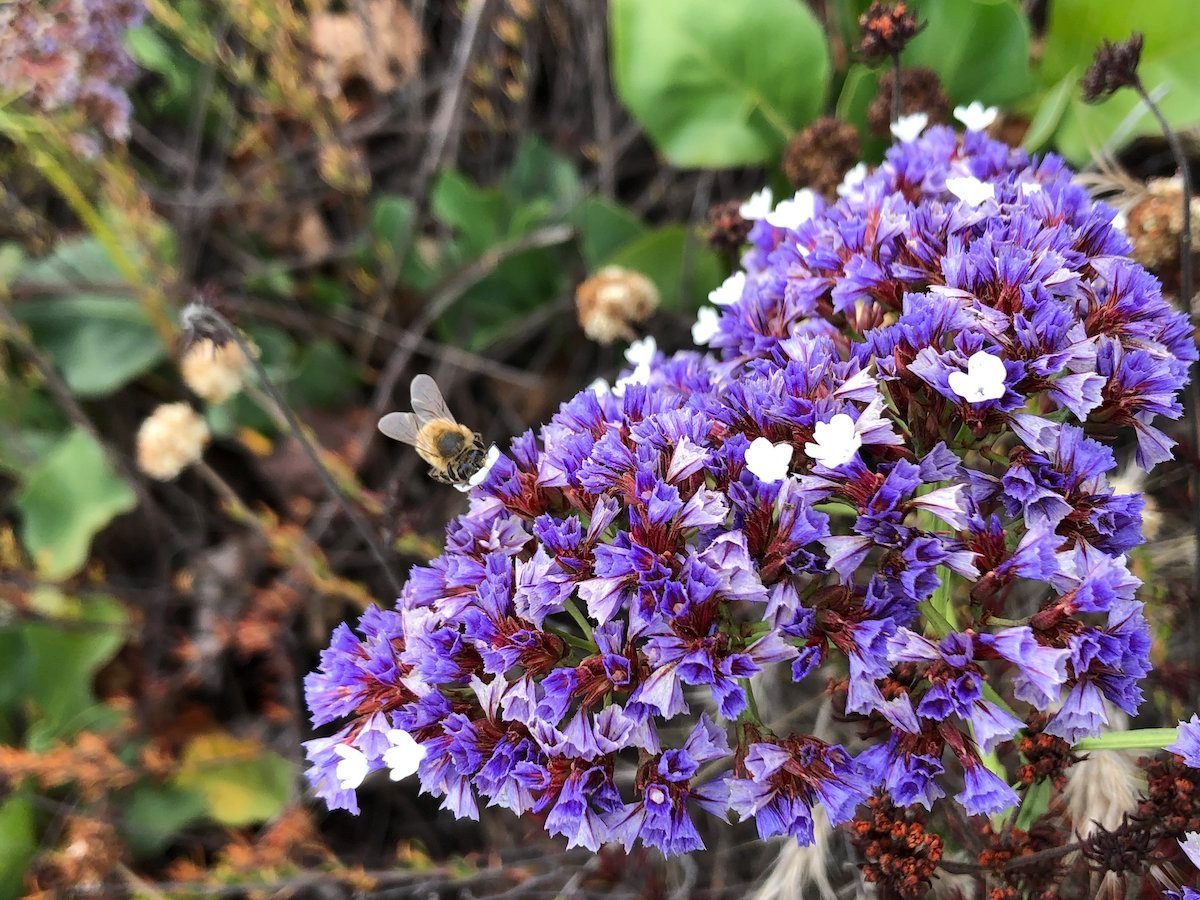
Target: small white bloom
{"points": [[1191, 846], [983, 380], [171, 438], [1029, 188], [834, 442], [852, 180], [1121, 222], [493, 454], [909, 128], [404, 756], [769, 462], [640, 353], [352, 768], [708, 323], [600, 387], [794, 212], [758, 205], [730, 291], [975, 116], [970, 190]]}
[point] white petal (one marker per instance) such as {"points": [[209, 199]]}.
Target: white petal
{"points": [[600, 386], [352, 768], [757, 206], [768, 462], [834, 442], [794, 212], [983, 380], [404, 756], [852, 180], [641, 352], [1120, 222], [909, 128], [493, 454], [976, 116], [730, 291], [971, 190], [708, 324], [1191, 846]]}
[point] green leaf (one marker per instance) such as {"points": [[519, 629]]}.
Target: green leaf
{"points": [[1170, 61], [18, 843], [54, 663], [99, 341], [1050, 112], [392, 221], [1035, 804], [66, 500], [155, 815], [325, 375], [478, 215], [537, 171], [603, 227], [682, 269], [979, 48], [241, 782], [718, 84]]}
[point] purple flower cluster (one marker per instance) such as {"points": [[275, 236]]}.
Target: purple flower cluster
{"points": [[71, 54], [896, 475]]}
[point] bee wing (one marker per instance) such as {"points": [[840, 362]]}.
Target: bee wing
{"points": [[401, 426], [427, 400]]}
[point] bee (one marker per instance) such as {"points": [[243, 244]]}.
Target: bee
{"points": [[454, 452]]}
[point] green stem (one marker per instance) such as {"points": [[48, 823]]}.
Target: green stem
{"points": [[582, 622], [751, 703], [1138, 739]]}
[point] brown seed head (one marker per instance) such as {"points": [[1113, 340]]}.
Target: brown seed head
{"points": [[920, 91], [820, 155], [1114, 67], [728, 229], [612, 300], [886, 31]]}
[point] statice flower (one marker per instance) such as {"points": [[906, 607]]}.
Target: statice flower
{"points": [[889, 471], [70, 54]]}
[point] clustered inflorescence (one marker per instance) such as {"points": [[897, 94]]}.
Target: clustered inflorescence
{"points": [[893, 469], [70, 54]]}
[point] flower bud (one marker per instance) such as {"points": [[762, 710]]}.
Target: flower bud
{"points": [[171, 439], [612, 300], [214, 372]]}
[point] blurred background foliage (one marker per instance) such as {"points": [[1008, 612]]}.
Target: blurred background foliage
{"points": [[369, 189]]}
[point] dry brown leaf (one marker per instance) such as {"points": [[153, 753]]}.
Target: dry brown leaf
{"points": [[376, 41]]}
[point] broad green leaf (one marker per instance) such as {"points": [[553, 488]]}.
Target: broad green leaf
{"points": [[603, 227], [54, 663], [979, 48], [477, 214], [1170, 63], [392, 222], [155, 815], [66, 500], [1135, 739], [716, 83], [519, 286], [539, 172], [18, 843], [682, 268], [242, 783], [99, 339]]}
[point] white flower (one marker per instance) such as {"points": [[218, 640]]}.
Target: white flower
{"points": [[852, 179], [493, 454], [730, 291], [976, 116], [909, 128], [640, 353], [769, 462], [835, 441], [352, 768], [404, 756], [708, 323], [970, 190], [600, 387], [1121, 222], [983, 380], [794, 212], [212, 372], [758, 205]]}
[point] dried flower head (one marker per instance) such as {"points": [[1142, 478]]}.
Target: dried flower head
{"points": [[171, 439], [821, 155], [214, 372], [886, 30], [920, 92], [727, 227], [612, 301], [1114, 67], [1154, 223], [899, 854]]}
